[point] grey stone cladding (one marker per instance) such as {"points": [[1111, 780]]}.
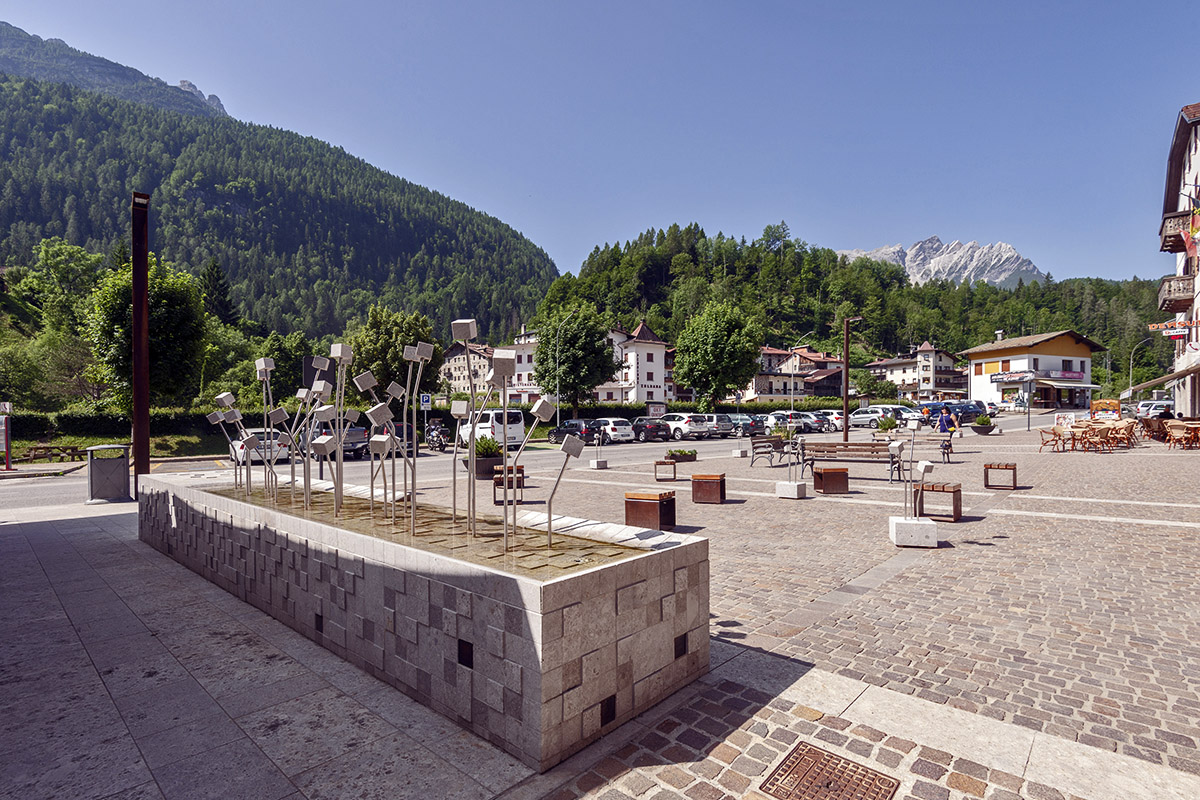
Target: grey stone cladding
{"points": [[540, 669]]}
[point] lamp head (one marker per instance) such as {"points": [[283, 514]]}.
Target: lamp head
{"points": [[215, 418], [924, 468], [324, 446], [264, 364], [352, 415], [365, 382], [341, 353], [302, 394], [320, 363], [225, 399], [233, 415], [277, 415], [572, 445], [263, 374], [543, 409], [410, 353], [381, 444], [395, 390], [379, 414], [325, 413], [424, 351], [459, 409], [504, 363], [464, 329]]}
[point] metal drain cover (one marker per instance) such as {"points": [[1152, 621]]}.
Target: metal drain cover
{"points": [[810, 773]]}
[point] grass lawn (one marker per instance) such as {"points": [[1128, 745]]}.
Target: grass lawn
{"points": [[160, 446]]}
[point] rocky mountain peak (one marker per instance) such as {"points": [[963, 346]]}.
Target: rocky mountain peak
{"points": [[212, 100], [998, 264]]}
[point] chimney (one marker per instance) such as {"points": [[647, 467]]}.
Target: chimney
{"points": [[999, 336]]}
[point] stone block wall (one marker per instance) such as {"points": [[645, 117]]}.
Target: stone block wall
{"points": [[538, 668]]}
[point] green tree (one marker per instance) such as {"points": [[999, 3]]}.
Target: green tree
{"points": [[20, 378], [573, 366], [176, 334], [379, 346], [288, 353], [59, 282], [717, 353], [215, 287]]}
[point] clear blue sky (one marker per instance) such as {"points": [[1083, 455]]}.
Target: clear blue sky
{"points": [[1042, 124]]}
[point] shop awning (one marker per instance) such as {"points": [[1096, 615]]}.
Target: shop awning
{"points": [[1169, 377], [1066, 384]]}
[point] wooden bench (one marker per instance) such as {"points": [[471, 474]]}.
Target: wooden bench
{"points": [[516, 484], [653, 510], [999, 466], [664, 464], [708, 488], [765, 447], [953, 489], [811, 452]]}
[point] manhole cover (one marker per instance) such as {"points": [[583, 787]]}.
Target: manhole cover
{"points": [[810, 773]]}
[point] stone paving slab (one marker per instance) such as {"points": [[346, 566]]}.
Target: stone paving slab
{"points": [[1057, 620]]}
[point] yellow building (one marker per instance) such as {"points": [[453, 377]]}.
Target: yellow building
{"points": [[1056, 367]]}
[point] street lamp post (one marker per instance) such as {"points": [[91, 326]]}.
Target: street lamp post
{"points": [[1131, 352], [792, 361], [846, 376], [558, 368]]}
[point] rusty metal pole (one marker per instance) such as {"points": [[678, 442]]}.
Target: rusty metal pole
{"points": [[846, 376], [139, 235]]}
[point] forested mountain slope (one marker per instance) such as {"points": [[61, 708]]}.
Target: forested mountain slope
{"points": [[309, 235]]}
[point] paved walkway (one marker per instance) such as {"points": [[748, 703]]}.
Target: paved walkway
{"points": [[1047, 650]]}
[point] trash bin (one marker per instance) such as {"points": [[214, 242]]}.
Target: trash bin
{"points": [[108, 473]]}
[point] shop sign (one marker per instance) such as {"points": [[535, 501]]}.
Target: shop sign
{"points": [[1022, 376], [1171, 324], [1055, 373]]}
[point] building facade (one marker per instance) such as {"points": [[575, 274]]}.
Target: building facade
{"points": [[784, 375], [1055, 367], [643, 373], [924, 375], [454, 366], [1177, 294]]}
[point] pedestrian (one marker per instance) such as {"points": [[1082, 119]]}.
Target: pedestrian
{"points": [[945, 421]]}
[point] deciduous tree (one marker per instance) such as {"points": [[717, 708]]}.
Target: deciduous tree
{"points": [[717, 353], [573, 354]]}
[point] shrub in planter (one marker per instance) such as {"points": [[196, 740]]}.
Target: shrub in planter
{"points": [[983, 419], [887, 424], [681, 455], [487, 447]]}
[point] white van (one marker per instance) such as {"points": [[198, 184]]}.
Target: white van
{"points": [[491, 424]]}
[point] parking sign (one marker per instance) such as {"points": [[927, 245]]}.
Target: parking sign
{"points": [[426, 401]]}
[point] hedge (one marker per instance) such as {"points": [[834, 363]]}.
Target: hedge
{"points": [[163, 422]]}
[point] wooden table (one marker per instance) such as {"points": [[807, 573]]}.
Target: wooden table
{"points": [[653, 510], [708, 488], [831, 480]]}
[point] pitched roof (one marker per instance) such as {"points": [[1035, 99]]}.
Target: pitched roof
{"points": [[773, 351], [1033, 340], [821, 374], [642, 333], [925, 347], [1189, 115]]}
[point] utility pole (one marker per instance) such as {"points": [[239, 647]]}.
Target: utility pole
{"points": [[846, 376], [139, 238]]}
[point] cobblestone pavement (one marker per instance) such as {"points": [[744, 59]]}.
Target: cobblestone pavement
{"points": [[1047, 650]]}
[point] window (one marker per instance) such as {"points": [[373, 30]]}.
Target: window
{"points": [[650, 357], [991, 367], [1035, 363], [1068, 365], [649, 395], [649, 376], [1004, 365], [518, 358], [609, 397], [978, 367]]}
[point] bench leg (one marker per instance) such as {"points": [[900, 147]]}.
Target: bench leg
{"points": [[957, 513]]}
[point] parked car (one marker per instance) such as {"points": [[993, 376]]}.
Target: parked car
{"points": [[354, 439], [492, 425], [269, 444], [833, 418], [786, 419], [747, 425], [1152, 408], [810, 422], [719, 424], [966, 412], [685, 425], [573, 427], [866, 417], [992, 408], [614, 429], [648, 429]]}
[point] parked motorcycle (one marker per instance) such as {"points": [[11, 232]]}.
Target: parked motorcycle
{"points": [[436, 438]]}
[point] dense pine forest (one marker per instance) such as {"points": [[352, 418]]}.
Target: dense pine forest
{"points": [[667, 276], [308, 235]]}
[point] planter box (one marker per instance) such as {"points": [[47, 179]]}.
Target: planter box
{"points": [[682, 458], [540, 667], [983, 430]]}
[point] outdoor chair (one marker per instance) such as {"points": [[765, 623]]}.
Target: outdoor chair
{"points": [[1053, 438], [1176, 434]]}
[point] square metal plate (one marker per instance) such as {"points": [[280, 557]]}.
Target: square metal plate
{"points": [[810, 773]]}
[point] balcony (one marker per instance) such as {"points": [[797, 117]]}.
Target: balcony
{"points": [[1176, 293], [1174, 227]]}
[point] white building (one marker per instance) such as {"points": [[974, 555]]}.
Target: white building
{"points": [[787, 374], [1056, 366], [1177, 294], [643, 373], [926, 374]]}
